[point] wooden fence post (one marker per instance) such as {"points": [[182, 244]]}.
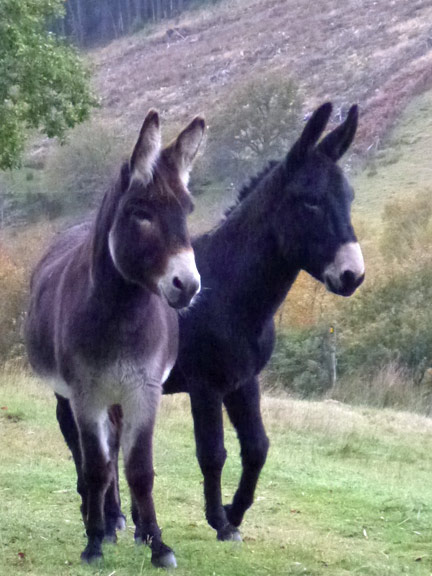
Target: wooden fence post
{"points": [[333, 359]]}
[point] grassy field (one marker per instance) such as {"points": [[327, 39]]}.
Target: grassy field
{"points": [[345, 491]]}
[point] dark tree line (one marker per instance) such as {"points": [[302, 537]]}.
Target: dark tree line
{"points": [[94, 21]]}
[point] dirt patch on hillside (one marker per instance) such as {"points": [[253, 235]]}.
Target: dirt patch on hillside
{"points": [[378, 54]]}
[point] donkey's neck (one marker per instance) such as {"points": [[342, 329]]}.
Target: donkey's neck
{"points": [[247, 266]]}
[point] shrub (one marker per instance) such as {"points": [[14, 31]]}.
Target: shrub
{"points": [[78, 172], [74, 178], [257, 123], [389, 322], [12, 302], [20, 249], [301, 362]]}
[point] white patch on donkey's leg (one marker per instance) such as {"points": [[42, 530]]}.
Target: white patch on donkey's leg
{"points": [[95, 420], [139, 412]]}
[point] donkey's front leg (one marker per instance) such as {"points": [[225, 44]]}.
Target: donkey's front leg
{"points": [[97, 471], [114, 518], [243, 407], [137, 442], [69, 429], [211, 453]]}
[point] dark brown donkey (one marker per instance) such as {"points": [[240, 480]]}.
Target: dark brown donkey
{"points": [[102, 326]]}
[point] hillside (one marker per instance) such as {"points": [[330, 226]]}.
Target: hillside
{"points": [[378, 54], [402, 167]]}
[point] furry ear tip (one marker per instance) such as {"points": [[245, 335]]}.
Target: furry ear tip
{"points": [[200, 121], [153, 117], [326, 108], [354, 111]]}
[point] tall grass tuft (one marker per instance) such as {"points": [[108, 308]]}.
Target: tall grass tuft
{"points": [[391, 386]]}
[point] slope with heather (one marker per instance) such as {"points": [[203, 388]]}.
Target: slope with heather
{"points": [[374, 53]]}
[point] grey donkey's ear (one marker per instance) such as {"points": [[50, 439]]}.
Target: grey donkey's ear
{"points": [[147, 148], [337, 142], [185, 147]]}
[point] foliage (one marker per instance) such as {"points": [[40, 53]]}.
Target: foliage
{"points": [[389, 319], [301, 362], [12, 301], [258, 123], [24, 198], [78, 173], [20, 249], [42, 81]]}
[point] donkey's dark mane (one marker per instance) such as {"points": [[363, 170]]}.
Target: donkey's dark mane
{"points": [[103, 218], [250, 186]]}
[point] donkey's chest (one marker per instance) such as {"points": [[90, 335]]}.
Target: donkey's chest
{"points": [[120, 361], [123, 377], [117, 379]]}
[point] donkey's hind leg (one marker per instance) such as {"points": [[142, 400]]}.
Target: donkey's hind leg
{"points": [[114, 518], [137, 443], [98, 472], [243, 407]]}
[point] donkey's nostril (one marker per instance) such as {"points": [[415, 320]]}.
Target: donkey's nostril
{"points": [[178, 283], [347, 278], [350, 281]]}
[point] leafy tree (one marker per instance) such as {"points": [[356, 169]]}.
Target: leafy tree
{"points": [[42, 81], [257, 123]]}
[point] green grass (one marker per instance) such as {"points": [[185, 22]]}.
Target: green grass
{"points": [[344, 491], [402, 166]]}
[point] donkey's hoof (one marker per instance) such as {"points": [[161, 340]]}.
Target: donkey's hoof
{"points": [[121, 522], [91, 555], [164, 560], [229, 533], [110, 538], [235, 521]]}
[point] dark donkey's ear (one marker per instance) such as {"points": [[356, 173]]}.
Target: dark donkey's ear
{"points": [[335, 144], [147, 148], [310, 135], [184, 149]]}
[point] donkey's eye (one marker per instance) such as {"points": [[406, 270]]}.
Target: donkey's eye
{"points": [[142, 214]]}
